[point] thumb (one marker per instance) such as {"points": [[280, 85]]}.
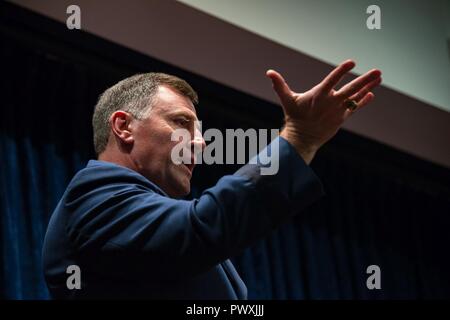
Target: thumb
{"points": [[280, 86]]}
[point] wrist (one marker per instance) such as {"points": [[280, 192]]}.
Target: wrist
{"points": [[303, 145]]}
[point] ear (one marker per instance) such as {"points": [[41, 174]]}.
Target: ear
{"points": [[120, 125]]}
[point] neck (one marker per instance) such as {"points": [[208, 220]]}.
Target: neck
{"points": [[110, 155]]}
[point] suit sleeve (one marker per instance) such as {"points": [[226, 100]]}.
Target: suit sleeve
{"points": [[125, 229]]}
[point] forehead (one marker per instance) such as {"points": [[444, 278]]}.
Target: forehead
{"points": [[168, 100]]}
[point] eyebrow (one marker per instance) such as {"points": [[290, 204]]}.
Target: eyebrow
{"points": [[191, 115]]}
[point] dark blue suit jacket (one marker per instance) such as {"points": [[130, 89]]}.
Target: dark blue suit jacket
{"points": [[131, 240]]}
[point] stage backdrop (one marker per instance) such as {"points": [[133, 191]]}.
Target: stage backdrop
{"points": [[382, 207]]}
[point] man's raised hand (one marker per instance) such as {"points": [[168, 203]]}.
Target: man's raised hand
{"points": [[314, 117]]}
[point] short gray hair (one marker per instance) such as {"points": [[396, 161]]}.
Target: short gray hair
{"points": [[134, 95]]}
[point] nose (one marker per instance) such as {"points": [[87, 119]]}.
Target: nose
{"points": [[198, 143]]}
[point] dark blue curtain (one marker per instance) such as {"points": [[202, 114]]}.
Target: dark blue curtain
{"points": [[382, 207], [369, 217], [42, 129]]}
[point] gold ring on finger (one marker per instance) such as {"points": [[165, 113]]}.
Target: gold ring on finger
{"points": [[351, 104]]}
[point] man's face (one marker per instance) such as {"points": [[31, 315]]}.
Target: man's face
{"points": [[153, 146]]}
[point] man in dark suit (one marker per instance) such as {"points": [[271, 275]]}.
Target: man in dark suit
{"points": [[121, 222]]}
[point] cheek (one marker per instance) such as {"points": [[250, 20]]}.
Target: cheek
{"points": [[176, 149], [168, 148], [155, 143]]}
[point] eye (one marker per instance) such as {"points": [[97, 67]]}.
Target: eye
{"points": [[182, 121]]}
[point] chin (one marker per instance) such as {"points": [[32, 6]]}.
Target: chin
{"points": [[185, 191], [179, 183]]}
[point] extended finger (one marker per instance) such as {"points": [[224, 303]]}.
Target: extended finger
{"points": [[368, 97], [336, 75], [361, 93], [357, 84], [280, 86]]}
